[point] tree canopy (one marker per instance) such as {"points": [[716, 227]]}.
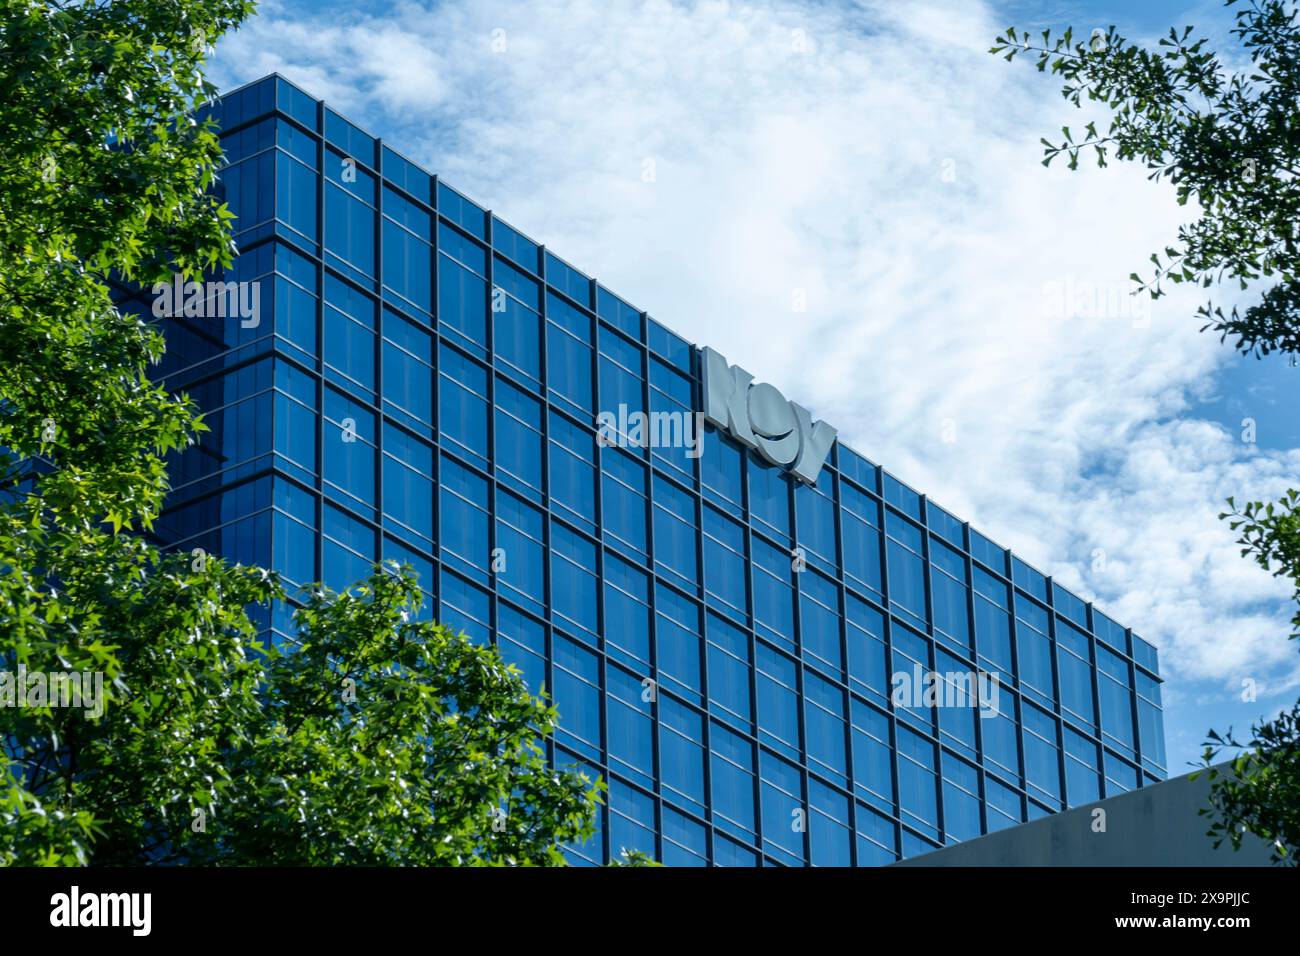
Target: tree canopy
{"points": [[376, 738], [1227, 139], [1229, 142]]}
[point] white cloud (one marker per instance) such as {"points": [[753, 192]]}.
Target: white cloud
{"points": [[801, 149]]}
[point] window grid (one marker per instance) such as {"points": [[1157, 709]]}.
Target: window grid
{"points": [[845, 471]]}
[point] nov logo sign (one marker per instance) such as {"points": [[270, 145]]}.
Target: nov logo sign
{"points": [[759, 417]]}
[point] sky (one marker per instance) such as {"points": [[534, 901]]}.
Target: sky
{"points": [[848, 200]]}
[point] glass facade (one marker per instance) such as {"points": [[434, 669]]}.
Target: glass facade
{"points": [[724, 643]]}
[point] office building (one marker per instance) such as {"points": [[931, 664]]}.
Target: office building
{"points": [[740, 633]]}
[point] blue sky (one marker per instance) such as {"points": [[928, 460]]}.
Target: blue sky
{"points": [[718, 162]]}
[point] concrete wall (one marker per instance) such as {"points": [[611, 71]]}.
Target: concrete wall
{"points": [[1154, 826]]}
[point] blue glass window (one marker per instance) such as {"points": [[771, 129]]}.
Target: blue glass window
{"points": [[773, 594], [949, 594], [523, 644], [1026, 577], [295, 317], [462, 301], [684, 843], [917, 781], [627, 612], [729, 670], [631, 733], [998, 727], [245, 187], [568, 367], [462, 403], [349, 338], [769, 498], [295, 194], [819, 619], [573, 476], [961, 805], [873, 771], [295, 102], [681, 758], [732, 772], [618, 313], [902, 497], [866, 636], [816, 514], [1041, 758], [1116, 699], [944, 524], [861, 552], [518, 284], [349, 548], [463, 520], [573, 578], [678, 641], [618, 387], [408, 370], [906, 582], [784, 813], [1121, 777], [982, 549], [461, 211], [344, 172], [1109, 633], [1068, 605], [778, 703], [957, 723], [295, 416], [725, 569], [623, 502], [993, 635], [407, 266], [294, 549], [521, 567], [722, 466], [631, 818], [1035, 652], [829, 836], [1151, 730], [516, 332], [568, 280], [1004, 805], [514, 244], [855, 467], [408, 487], [349, 138], [877, 839], [675, 531], [518, 435], [1143, 652], [406, 213], [671, 347], [349, 450], [577, 696], [825, 727], [407, 175], [349, 229]]}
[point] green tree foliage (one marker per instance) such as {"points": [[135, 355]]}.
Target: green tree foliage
{"points": [[74, 390], [635, 858], [1261, 794], [384, 740], [74, 79], [1229, 142], [379, 739]]}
